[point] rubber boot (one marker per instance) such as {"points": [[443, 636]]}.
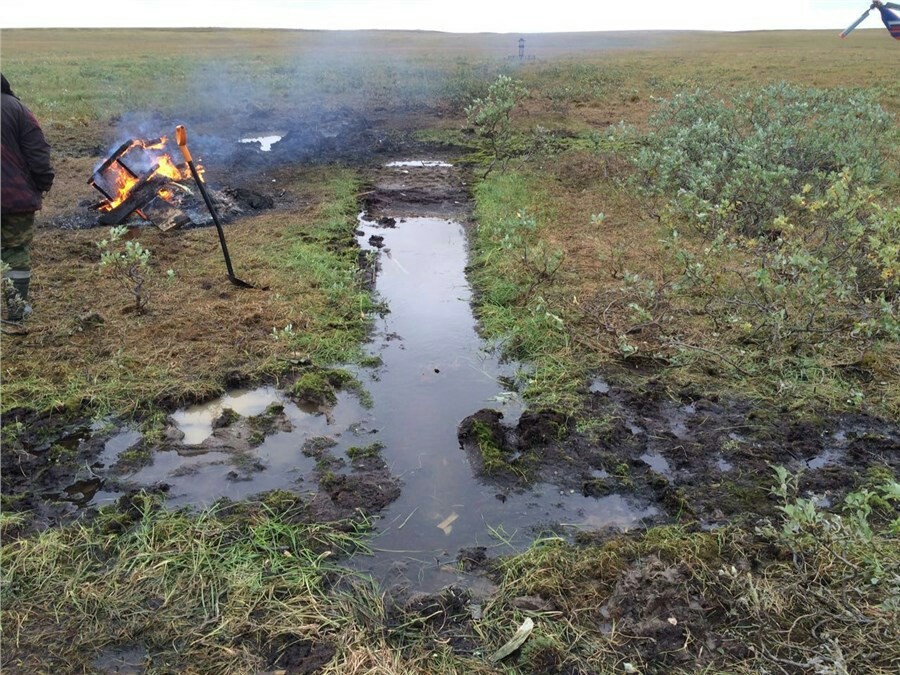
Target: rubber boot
{"points": [[17, 306]]}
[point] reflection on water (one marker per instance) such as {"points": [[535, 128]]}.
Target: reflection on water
{"points": [[265, 142], [196, 421], [116, 445], [436, 372], [201, 475], [416, 163], [658, 463]]}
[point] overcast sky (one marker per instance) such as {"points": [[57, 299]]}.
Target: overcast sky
{"points": [[455, 16]]}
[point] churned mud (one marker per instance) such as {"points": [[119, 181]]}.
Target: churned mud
{"points": [[442, 448], [437, 448]]}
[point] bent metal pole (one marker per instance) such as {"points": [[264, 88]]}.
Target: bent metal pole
{"points": [[181, 138]]}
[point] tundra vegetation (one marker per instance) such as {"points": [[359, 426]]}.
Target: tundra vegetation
{"points": [[708, 213]]}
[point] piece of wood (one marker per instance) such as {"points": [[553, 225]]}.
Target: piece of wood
{"points": [[143, 193]]}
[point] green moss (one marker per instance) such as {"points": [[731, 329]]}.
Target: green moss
{"points": [[494, 460], [9, 433], [328, 479], [623, 472], [594, 428], [320, 386], [371, 450], [371, 361], [60, 454], [136, 456], [492, 456]]}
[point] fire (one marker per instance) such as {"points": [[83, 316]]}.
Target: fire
{"points": [[125, 183], [168, 169], [138, 163]]}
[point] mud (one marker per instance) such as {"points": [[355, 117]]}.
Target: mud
{"points": [[696, 458], [441, 398], [661, 610]]}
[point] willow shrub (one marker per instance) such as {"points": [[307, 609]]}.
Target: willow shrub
{"points": [[738, 162]]}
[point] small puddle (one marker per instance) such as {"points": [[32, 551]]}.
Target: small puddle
{"points": [[196, 422], [418, 163], [678, 418], [823, 459], [265, 141], [599, 386], [658, 463], [128, 660], [202, 470]]}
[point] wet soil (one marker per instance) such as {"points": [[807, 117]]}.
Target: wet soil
{"points": [[415, 461], [671, 454]]}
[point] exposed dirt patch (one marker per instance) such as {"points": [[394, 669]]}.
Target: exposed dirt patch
{"points": [[445, 617], [697, 458], [662, 612], [294, 655], [434, 191]]}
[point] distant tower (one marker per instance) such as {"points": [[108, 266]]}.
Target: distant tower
{"points": [[521, 49]]}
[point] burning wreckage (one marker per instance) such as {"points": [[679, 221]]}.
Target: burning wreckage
{"points": [[149, 179], [143, 178]]}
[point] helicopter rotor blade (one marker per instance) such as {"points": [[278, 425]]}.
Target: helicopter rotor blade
{"points": [[856, 23], [890, 5]]}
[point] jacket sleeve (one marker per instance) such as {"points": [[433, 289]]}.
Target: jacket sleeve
{"points": [[36, 151]]}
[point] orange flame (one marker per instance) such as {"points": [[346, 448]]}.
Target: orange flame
{"points": [[166, 167]]}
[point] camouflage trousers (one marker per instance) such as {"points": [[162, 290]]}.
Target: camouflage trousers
{"points": [[15, 242]]}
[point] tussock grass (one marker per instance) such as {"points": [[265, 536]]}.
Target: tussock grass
{"points": [[212, 592]]}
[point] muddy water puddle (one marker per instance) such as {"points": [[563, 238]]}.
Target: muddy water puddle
{"points": [[435, 371], [266, 140], [209, 464], [196, 422]]}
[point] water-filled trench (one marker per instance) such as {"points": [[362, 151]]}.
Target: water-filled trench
{"points": [[435, 370]]}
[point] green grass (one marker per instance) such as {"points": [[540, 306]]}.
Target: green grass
{"points": [[314, 309], [201, 592], [321, 259], [364, 452], [515, 293]]}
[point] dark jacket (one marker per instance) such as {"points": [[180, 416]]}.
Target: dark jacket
{"points": [[26, 170]]}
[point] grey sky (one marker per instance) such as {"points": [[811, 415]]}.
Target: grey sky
{"points": [[457, 16]]}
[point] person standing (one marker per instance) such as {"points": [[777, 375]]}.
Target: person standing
{"points": [[26, 175]]}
